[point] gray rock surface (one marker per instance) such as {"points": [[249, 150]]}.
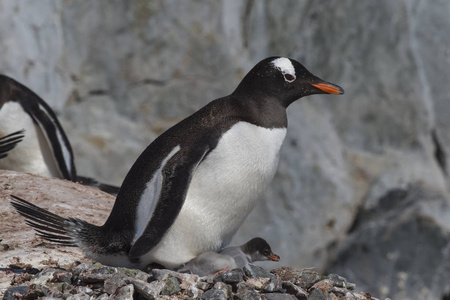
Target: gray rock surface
{"points": [[406, 239], [119, 73]]}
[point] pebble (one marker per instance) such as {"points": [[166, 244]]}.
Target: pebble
{"points": [[273, 285], [172, 286], [308, 278], [245, 292], [125, 293], [233, 276], [318, 294], [254, 271], [16, 292], [287, 273], [214, 294], [95, 281], [147, 290], [295, 290], [227, 289], [113, 283], [203, 285], [278, 296]]}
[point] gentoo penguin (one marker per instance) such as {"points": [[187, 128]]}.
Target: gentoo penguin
{"points": [[44, 148], [257, 249], [193, 186]]}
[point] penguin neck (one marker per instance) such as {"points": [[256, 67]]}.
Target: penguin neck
{"points": [[248, 253], [262, 110]]}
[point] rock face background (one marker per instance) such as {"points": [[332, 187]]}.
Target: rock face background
{"points": [[363, 178]]}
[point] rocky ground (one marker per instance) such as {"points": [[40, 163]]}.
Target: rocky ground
{"points": [[31, 268], [95, 281]]}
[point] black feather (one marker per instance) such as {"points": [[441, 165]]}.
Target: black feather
{"points": [[10, 141], [47, 225]]}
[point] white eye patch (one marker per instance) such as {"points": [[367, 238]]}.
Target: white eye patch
{"points": [[286, 68]]}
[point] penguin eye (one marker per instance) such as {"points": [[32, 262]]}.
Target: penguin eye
{"points": [[289, 77], [266, 252]]}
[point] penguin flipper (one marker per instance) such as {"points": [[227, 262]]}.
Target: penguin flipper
{"points": [[50, 133], [10, 141], [177, 177], [53, 137]]}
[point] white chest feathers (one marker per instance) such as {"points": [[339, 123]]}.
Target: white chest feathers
{"points": [[223, 191], [237, 171], [27, 156]]}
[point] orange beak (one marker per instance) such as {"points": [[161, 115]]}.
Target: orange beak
{"points": [[328, 88], [274, 257]]}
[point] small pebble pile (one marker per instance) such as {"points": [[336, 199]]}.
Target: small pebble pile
{"points": [[96, 281]]}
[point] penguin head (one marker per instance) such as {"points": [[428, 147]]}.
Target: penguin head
{"points": [[285, 79], [257, 249]]}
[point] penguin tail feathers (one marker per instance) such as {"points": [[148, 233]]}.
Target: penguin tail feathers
{"points": [[48, 225], [10, 141], [110, 189]]}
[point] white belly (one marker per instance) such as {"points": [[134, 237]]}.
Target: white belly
{"points": [[27, 156], [223, 191]]}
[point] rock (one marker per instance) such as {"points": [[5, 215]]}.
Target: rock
{"points": [[135, 273], [227, 289], [203, 285], [318, 294], [194, 292], [84, 290], [232, 277], [96, 275], [273, 285], [163, 274], [278, 296], [337, 280], [286, 273], [125, 293], [172, 286], [103, 296], [147, 290], [50, 291], [79, 297], [34, 292], [77, 270], [254, 271], [63, 276], [44, 276], [245, 292], [257, 283], [214, 294], [294, 290], [126, 283], [378, 242], [308, 278], [16, 292], [114, 283]]}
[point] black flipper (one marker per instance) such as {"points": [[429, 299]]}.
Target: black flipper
{"points": [[177, 175]]}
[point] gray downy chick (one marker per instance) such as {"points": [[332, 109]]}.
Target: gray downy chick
{"points": [[257, 249]]}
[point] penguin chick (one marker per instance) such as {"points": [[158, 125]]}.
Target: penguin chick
{"points": [[257, 249]]}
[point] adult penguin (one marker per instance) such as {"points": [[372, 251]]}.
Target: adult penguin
{"points": [[31, 138], [194, 185]]}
